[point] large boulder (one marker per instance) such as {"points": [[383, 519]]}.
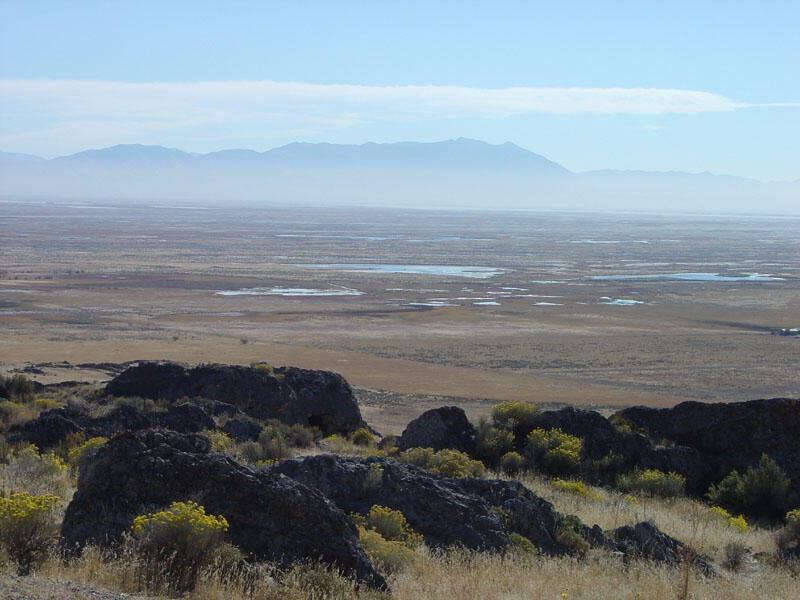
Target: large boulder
{"points": [[270, 516], [728, 435], [291, 395], [462, 512], [439, 428], [645, 540]]}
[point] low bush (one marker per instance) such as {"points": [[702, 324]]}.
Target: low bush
{"points": [[177, 544], [652, 482], [761, 492], [576, 488], [789, 536], [13, 413], [28, 528], [447, 463], [517, 417], [735, 554], [387, 538], [220, 441], [270, 446], [722, 516], [16, 387], [76, 455], [522, 545], [27, 470], [491, 443], [511, 463], [362, 437], [553, 451], [568, 535]]}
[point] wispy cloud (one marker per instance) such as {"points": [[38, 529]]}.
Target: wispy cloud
{"points": [[34, 110]]}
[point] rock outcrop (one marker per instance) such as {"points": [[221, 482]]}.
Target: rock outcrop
{"points": [[727, 436], [270, 516], [52, 426], [462, 512], [645, 540], [294, 396], [439, 428]]}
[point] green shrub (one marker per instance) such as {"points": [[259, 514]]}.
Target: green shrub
{"points": [[13, 413], [652, 482], [27, 528], [16, 387], [554, 451], [511, 463], [447, 463], [492, 443], [273, 443], [362, 437], [176, 544], [76, 455], [568, 535], [761, 492], [734, 555], [522, 545], [303, 437], [517, 417], [577, 488]]}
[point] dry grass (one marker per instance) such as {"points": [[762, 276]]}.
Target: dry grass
{"points": [[683, 518]]}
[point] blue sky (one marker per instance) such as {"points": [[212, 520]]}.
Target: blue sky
{"points": [[688, 86]]}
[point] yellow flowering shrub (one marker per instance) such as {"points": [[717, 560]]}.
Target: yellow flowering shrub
{"points": [[391, 524], [720, 515], [387, 538], [27, 528], [37, 473], [652, 482], [446, 462], [176, 544], [577, 488], [220, 441], [518, 417], [76, 455], [553, 450]]}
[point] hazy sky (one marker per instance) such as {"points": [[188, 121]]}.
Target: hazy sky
{"points": [[673, 85]]}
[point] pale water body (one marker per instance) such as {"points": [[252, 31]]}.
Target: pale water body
{"points": [[619, 301], [546, 304], [281, 291], [692, 277], [447, 270]]}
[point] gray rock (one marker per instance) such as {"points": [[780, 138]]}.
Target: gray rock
{"points": [[439, 428], [645, 540], [291, 395], [270, 516]]}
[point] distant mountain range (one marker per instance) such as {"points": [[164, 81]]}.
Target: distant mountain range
{"points": [[452, 173]]}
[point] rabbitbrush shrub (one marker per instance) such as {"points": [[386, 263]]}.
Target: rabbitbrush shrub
{"points": [[446, 462], [362, 437], [553, 451], [27, 528], [652, 482], [387, 537], [511, 463], [176, 545], [789, 536], [76, 455]]}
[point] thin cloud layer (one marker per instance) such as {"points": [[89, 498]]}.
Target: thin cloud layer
{"points": [[52, 116]]}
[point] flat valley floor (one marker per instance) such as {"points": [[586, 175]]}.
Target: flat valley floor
{"points": [[415, 308]]}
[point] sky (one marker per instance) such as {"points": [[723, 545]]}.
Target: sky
{"points": [[688, 86]]}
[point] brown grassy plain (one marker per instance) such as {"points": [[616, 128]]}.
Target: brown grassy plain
{"points": [[86, 284]]}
